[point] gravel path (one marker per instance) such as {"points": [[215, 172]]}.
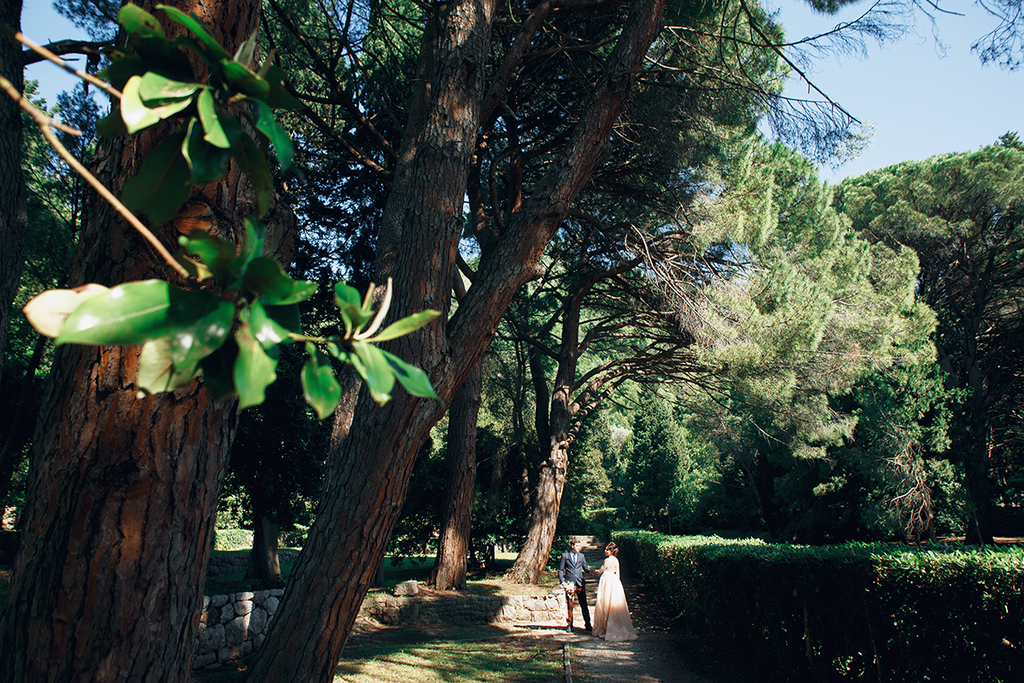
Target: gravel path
{"points": [[653, 658]]}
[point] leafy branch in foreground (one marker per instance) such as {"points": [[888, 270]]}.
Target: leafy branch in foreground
{"points": [[238, 306]]}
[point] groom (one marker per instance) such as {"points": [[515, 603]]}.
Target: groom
{"points": [[570, 570]]}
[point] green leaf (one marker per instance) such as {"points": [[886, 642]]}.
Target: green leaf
{"points": [[218, 371], [252, 243], [192, 23], [278, 136], [138, 21], [47, 312], [252, 161], [217, 254], [301, 290], [411, 377], [157, 373], [214, 131], [246, 52], [279, 97], [111, 125], [201, 324], [123, 65], [244, 80], [287, 316], [375, 371], [206, 162], [155, 89], [254, 369], [266, 277], [350, 306], [160, 187], [196, 323], [408, 324], [137, 115], [319, 385], [131, 313], [267, 331], [346, 295]]}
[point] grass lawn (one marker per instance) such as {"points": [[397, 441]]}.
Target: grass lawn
{"points": [[471, 654], [450, 656]]}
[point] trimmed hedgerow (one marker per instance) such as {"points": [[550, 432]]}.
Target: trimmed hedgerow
{"points": [[849, 612]]}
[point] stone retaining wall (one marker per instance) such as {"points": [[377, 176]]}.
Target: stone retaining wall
{"points": [[465, 609], [232, 626], [224, 564]]}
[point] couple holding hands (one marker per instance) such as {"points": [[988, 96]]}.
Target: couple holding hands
{"points": [[611, 613]]}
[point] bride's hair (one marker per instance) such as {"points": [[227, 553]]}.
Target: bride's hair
{"points": [[612, 548]]}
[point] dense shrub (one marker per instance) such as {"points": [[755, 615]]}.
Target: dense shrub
{"points": [[849, 612], [232, 539]]}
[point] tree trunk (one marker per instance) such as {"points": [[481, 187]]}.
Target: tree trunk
{"points": [[108, 583], [419, 238], [533, 555], [449, 571], [13, 219], [264, 563], [19, 431], [559, 431]]}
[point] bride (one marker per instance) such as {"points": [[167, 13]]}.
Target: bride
{"points": [[611, 616]]}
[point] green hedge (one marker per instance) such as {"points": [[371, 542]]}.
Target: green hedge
{"points": [[838, 613], [232, 539]]}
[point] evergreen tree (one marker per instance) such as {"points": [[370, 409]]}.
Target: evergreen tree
{"points": [[654, 456], [963, 215]]}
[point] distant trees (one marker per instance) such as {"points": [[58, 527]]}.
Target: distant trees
{"points": [[800, 309], [963, 215], [653, 462]]}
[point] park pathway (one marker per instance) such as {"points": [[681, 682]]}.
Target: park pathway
{"points": [[655, 657]]}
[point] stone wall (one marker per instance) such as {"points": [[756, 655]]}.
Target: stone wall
{"points": [[232, 626], [224, 564], [465, 609]]}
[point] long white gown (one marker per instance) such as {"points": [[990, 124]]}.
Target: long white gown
{"points": [[611, 615]]}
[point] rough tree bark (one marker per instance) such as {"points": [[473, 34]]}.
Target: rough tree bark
{"points": [[108, 584], [264, 563], [449, 572], [13, 220], [420, 233]]}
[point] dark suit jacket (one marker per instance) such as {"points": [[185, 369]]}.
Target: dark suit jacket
{"points": [[571, 568]]}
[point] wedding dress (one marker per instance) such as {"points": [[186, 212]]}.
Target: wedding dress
{"points": [[611, 616]]}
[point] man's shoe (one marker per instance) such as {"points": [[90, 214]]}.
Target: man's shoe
{"points": [[589, 628]]}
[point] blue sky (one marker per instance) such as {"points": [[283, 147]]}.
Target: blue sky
{"points": [[920, 102]]}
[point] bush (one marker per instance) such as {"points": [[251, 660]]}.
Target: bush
{"points": [[604, 521], [294, 538], [232, 539], [837, 613]]}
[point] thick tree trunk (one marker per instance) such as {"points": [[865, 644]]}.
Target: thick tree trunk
{"points": [[420, 232], [264, 563], [109, 580], [13, 219], [449, 571], [533, 555]]}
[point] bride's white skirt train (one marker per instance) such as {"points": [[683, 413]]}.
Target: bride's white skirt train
{"points": [[611, 615]]}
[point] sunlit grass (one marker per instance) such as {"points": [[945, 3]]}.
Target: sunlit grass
{"points": [[423, 659]]}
